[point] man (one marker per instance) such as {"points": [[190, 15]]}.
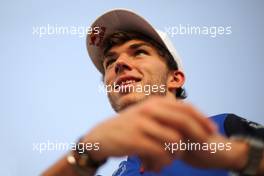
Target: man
{"points": [[144, 78]]}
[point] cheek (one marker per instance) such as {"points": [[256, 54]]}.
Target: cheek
{"points": [[153, 68], [107, 78]]}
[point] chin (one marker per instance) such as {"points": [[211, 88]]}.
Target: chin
{"points": [[126, 100]]}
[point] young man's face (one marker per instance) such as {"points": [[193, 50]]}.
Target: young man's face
{"points": [[135, 70]]}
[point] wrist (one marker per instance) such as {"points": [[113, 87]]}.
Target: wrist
{"points": [[83, 160], [97, 155], [253, 155], [239, 155]]}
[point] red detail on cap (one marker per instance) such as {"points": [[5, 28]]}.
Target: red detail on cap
{"points": [[96, 37]]}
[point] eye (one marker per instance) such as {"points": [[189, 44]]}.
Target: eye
{"points": [[140, 52], [109, 62]]}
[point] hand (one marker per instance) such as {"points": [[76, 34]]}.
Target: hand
{"points": [[143, 128]]}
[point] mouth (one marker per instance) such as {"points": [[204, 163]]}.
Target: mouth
{"points": [[126, 81]]}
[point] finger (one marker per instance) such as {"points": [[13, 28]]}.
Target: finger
{"points": [[148, 148], [189, 109], [161, 133], [183, 123], [161, 102], [158, 131]]}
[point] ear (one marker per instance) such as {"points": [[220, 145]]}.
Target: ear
{"points": [[175, 80]]}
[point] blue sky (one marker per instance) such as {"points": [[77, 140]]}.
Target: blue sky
{"points": [[49, 87]]}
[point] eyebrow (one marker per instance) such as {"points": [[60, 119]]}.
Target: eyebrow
{"points": [[132, 47], [138, 45]]}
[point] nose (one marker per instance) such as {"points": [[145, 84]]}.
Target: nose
{"points": [[122, 64]]}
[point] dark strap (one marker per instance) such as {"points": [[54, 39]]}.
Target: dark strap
{"points": [[235, 125]]}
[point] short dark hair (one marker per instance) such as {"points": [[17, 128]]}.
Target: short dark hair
{"points": [[120, 37]]}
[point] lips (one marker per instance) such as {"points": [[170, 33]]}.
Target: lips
{"points": [[126, 81]]}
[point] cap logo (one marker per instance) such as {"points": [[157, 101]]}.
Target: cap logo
{"points": [[96, 37]]}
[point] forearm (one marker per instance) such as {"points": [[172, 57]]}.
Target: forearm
{"points": [[64, 168]]}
